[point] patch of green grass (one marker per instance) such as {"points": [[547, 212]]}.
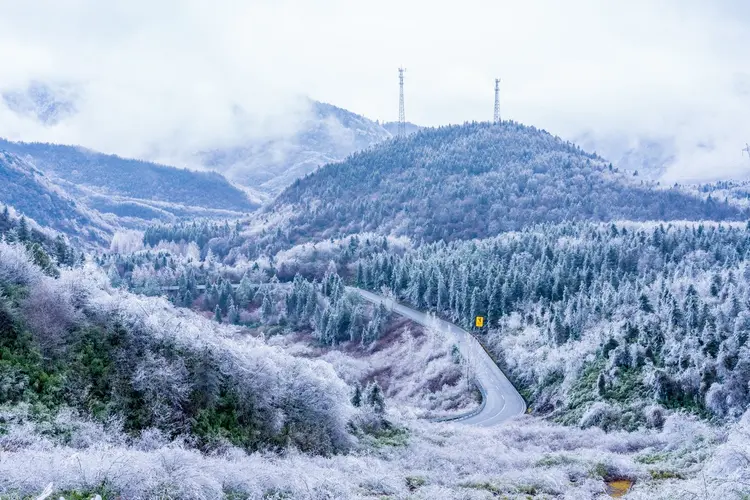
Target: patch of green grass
{"points": [[651, 458], [528, 489], [600, 470], [232, 494], [606, 472], [102, 490], [486, 486], [391, 436], [415, 482], [553, 460], [661, 474], [277, 494]]}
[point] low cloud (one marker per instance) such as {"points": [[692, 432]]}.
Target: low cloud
{"points": [[161, 80]]}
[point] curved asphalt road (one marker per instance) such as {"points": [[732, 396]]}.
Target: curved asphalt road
{"points": [[502, 400]]}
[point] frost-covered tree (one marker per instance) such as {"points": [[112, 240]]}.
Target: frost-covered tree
{"points": [[374, 398]]}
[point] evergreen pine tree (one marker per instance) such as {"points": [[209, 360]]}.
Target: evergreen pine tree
{"points": [[114, 276], [266, 308], [375, 398], [357, 397], [360, 275], [233, 313], [23, 230], [187, 299]]}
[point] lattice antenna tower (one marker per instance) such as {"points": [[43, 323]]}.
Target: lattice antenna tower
{"points": [[746, 150], [497, 101], [401, 113]]}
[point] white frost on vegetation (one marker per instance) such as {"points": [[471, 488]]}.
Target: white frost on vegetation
{"points": [[434, 461]]}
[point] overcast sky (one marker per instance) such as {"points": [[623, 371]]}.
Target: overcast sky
{"points": [[166, 74]]}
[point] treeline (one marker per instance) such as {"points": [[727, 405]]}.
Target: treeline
{"points": [[332, 314], [200, 232], [150, 271], [666, 306]]}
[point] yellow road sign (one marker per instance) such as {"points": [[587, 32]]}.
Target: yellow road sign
{"points": [[479, 321]]}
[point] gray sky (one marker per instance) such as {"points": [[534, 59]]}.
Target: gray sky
{"points": [[165, 74]]}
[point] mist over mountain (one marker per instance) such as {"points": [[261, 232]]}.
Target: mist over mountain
{"points": [[649, 156], [44, 102], [261, 153], [476, 180], [392, 127], [326, 134], [112, 175], [686, 156], [216, 285]]}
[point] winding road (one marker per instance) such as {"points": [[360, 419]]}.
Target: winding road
{"points": [[501, 400]]}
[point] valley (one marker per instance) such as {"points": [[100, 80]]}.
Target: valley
{"points": [[614, 348], [225, 273]]}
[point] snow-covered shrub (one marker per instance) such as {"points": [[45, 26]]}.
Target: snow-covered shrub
{"points": [[49, 312], [600, 414], [15, 265], [655, 416]]}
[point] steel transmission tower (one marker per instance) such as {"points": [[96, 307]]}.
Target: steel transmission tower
{"points": [[497, 100], [747, 149], [401, 114]]}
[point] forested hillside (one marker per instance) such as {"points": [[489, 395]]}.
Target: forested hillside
{"points": [[111, 175], [71, 343], [603, 327], [476, 180], [597, 322], [46, 249], [30, 191]]}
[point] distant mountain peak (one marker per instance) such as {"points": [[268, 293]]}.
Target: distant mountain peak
{"points": [[326, 134], [45, 102]]}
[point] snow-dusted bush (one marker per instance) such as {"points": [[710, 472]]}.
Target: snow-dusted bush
{"points": [[16, 266], [655, 416], [49, 312], [600, 414]]}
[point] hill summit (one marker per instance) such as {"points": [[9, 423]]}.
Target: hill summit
{"points": [[477, 180]]}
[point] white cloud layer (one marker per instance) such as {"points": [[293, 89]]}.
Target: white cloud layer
{"points": [[161, 78]]}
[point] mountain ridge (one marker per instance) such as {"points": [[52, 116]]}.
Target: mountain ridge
{"points": [[114, 175], [476, 180], [31, 193]]}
